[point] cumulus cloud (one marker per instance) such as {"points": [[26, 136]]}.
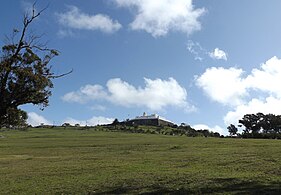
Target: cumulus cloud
{"points": [[158, 17], [155, 95], [267, 77], [216, 128], [218, 54], [35, 119], [253, 93], [86, 93], [270, 105], [225, 86], [74, 18], [99, 120]]}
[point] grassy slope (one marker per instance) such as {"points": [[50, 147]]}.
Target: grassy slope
{"points": [[81, 162]]}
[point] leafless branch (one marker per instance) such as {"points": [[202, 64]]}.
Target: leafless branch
{"points": [[62, 75], [26, 21]]}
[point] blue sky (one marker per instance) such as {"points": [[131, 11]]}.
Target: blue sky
{"points": [[205, 63]]}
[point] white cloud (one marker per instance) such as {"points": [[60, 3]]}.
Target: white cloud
{"points": [[158, 17], [100, 120], [223, 85], [200, 52], [218, 54], [155, 95], [74, 97], [216, 128], [270, 105], [86, 93], [267, 78], [36, 119], [75, 19], [256, 92]]}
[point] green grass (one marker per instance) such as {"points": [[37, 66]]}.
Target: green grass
{"points": [[68, 161]]}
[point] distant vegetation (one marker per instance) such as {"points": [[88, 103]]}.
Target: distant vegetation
{"points": [[116, 126], [258, 126], [265, 126], [181, 130]]}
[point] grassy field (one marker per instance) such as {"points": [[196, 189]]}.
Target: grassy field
{"points": [[68, 161]]}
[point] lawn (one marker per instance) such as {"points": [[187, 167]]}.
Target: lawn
{"points": [[70, 161]]}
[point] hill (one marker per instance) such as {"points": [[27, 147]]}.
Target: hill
{"points": [[71, 161]]}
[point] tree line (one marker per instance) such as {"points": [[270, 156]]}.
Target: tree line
{"points": [[180, 130], [258, 125]]}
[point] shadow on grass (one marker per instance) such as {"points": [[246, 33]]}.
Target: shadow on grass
{"points": [[235, 186], [228, 185]]}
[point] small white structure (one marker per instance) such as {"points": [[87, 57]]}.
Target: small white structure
{"points": [[153, 120]]}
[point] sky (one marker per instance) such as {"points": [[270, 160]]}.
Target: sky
{"points": [[203, 63]]}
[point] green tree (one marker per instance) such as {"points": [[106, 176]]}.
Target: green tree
{"points": [[17, 118], [251, 123], [115, 122], [65, 125], [232, 129], [261, 125], [25, 73]]}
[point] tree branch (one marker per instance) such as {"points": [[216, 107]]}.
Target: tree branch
{"points": [[58, 76]]}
